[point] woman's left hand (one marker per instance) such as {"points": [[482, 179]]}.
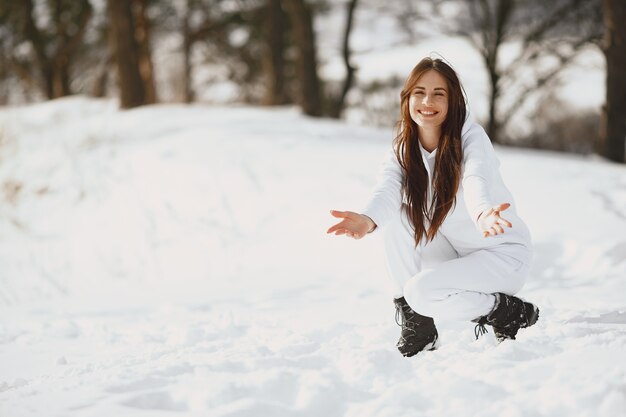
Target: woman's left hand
{"points": [[490, 222]]}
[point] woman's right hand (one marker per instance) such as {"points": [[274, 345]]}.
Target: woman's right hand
{"points": [[353, 225]]}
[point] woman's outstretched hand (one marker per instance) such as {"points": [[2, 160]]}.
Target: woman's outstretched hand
{"points": [[353, 225], [490, 222]]}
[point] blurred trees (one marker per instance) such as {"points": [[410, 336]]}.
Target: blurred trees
{"points": [[296, 16], [613, 132], [560, 126], [266, 52], [40, 44], [269, 49], [265, 49], [224, 38], [547, 36]]}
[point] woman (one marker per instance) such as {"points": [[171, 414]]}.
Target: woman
{"points": [[440, 203]]}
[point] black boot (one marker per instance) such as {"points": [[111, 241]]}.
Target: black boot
{"points": [[509, 314], [418, 332]]}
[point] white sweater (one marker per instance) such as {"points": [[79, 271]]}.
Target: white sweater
{"points": [[481, 188]]}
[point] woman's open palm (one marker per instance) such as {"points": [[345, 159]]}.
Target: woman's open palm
{"points": [[490, 222], [352, 224]]}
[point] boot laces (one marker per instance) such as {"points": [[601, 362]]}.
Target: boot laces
{"points": [[399, 316], [480, 328], [402, 320]]}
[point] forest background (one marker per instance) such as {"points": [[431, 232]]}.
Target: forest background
{"points": [[338, 59]]}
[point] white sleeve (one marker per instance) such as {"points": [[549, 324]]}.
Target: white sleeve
{"points": [[479, 163], [386, 198]]}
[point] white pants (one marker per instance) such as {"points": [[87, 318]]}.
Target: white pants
{"points": [[436, 282]]}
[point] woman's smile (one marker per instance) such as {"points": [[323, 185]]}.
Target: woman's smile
{"points": [[428, 102]]}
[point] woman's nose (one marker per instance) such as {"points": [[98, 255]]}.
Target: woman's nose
{"points": [[426, 100]]}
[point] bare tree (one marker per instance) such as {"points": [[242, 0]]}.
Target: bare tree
{"points": [[337, 103], [216, 32], [274, 59], [142, 36], [188, 93], [613, 128], [304, 36], [557, 30], [132, 91]]}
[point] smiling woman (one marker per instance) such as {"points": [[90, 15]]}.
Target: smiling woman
{"points": [[440, 195]]}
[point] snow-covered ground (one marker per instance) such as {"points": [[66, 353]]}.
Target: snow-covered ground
{"points": [[172, 260]]}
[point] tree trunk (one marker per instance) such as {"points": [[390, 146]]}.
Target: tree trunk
{"points": [[35, 37], [132, 91], [55, 57], [338, 103], [4, 76], [48, 80], [273, 60], [188, 93], [302, 23], [495, 24], [58, 59], [99, 88], [60, 77], [613, 128], [142, 37], [494, 95]]}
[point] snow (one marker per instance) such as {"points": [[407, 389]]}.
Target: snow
{"points": [[172, 260]]}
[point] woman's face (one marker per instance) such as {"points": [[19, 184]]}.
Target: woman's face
{"points": [[428, 102]]}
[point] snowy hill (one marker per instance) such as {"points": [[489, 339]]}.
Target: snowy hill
{"points": [[172, 260]]}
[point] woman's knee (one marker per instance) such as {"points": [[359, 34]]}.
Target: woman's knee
{"points": [[419, 293]]}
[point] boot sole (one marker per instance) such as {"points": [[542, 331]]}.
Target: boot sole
{"points": [[432, 345], [533, 319], [427, 348]]}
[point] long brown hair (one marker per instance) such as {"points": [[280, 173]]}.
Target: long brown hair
{"points": [[447, 172]]}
